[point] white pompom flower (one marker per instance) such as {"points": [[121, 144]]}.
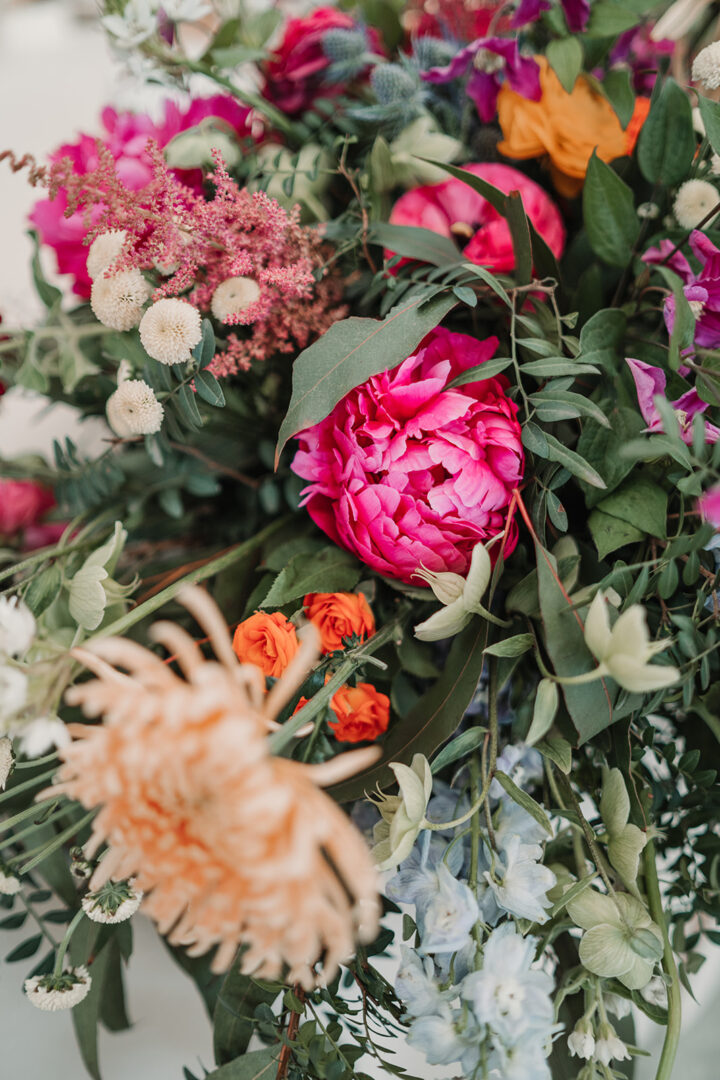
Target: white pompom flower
{"points": [[118, 301], [9, 883], [234, 296], [706, 66], [170, 329], [54, 992], [104, 251], [134, 410], [17, 626], [7, 760], [693, 202], [13, 691], [115, 902]]}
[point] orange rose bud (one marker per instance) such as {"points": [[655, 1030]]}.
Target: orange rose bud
{"points": [[267, 640], [565, 127], [362, 713], [339, 615]]}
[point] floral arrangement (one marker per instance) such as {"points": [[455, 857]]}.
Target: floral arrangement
{"points": [[407, 338]]}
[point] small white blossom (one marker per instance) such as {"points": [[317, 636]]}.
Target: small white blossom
{"points": [[693, 202], [706, 66], [13, 691], [9, 883], [134, 410], [104, 251], [17, 626], [233, 296], [655, 993], [581, 1041], [115, 902], [460, 596], [649, 210], [608, 1046], [7, 760], [624, 652], [137, 23], [170, 329], [37, 737], [54, 992], [118, 301]]}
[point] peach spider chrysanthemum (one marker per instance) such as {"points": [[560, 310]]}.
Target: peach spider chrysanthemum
{"points": [[230, 845]]}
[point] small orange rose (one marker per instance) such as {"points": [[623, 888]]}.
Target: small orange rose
{"points": [[362, 713], [565, 127], [339, 615], [267, 640]]}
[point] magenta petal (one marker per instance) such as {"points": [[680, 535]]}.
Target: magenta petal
{"points": [[528, 11], [483, 89], [577, 13], [649, 383], [524, 78]]}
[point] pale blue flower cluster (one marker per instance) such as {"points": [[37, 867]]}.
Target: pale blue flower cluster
{"points": [[486, 1007]]}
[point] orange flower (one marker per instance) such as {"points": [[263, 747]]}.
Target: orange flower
{"points": [[362, 713], [231, 845], [267, 640], [566, 127], [339, 615]]}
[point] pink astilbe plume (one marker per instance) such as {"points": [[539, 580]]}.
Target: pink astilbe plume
{"points": [[201, 243]]}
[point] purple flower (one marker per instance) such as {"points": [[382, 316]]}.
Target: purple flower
{"points": [[702, 290], [490, 60], [528, 11], [637, 50], [650, 383], [577, 13]]}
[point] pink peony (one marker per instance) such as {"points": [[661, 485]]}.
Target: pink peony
{"points": [[126, 135], [405, 473], [454, 209], [709, 506], [22, 504]]}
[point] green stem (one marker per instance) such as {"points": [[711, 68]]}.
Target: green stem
{"points": [[60, 955], [355, 658], [590, 838], [38, 919], [672, 1034], [26, 785], [44, 554], [277, 118]]}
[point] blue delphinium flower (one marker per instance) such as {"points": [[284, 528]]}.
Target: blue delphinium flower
{"points": [[415, 983], [415, 877], [520, 882], [446, 916], [523, 764], [450, 1035]]}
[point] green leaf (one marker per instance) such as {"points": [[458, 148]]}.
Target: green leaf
{"points": [[553, 366], [666, 145], [546, 704], [433, 719], [234, 55], [330, 570], [49, 294], [204, 351], [610, 533], [565, 56], [617, 88], [602, 338], [601, 448], [349, 353], [608, 19], [482, 371], [25, 949], [234, 1010], [710, 114], [523, 799], [86, 1015], [459, 748], [590, 704], [258, 1065], [639, 502], [113, 1009], [41, 592], [557, 750], [188, 406], [564, 405], [490, 280], [520, 232], [414, 243], [573, 462], [512, 646], [209, 389], [609, 214], [646, 944]]}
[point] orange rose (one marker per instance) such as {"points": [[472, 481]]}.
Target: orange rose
{"points": [[339, 615], [267, 640], [362, 713], [565, 127]]}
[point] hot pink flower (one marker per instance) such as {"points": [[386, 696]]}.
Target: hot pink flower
{"points": [[650, 383], [701, 289], [22, 504], [454, 209], [709, 506], [405, 473], [126, 136]]}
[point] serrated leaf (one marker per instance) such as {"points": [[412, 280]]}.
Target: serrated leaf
{"points": [[349, 353], [523, 799], [330, 570]]}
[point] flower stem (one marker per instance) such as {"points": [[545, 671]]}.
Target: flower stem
{"points": [[60, 954], [590, 838], [672, 1034]]}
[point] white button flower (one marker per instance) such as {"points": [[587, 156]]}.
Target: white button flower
{"points": [[54, 992], [624, 652], [9, 884], [170, 329], [105, 250], [460, 597], [37, 737], [403, 815], [134, 409], [115, 902], [17, 626]]}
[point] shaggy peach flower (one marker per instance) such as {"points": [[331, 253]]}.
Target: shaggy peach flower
{"points": [[230, 845], [267, 640], [339, 615], [565, 127], [362, 713]]}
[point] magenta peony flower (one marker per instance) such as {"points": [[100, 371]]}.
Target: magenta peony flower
{"points": [[454, 209], [404, 473], [22, 504], [126, 135], [702, 290], [709, 506]]}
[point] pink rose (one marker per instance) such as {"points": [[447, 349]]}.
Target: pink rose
{"points": [[294, 75], [405, 473], [709, 506], [454, 209], [126, 135], [22, 504]]}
